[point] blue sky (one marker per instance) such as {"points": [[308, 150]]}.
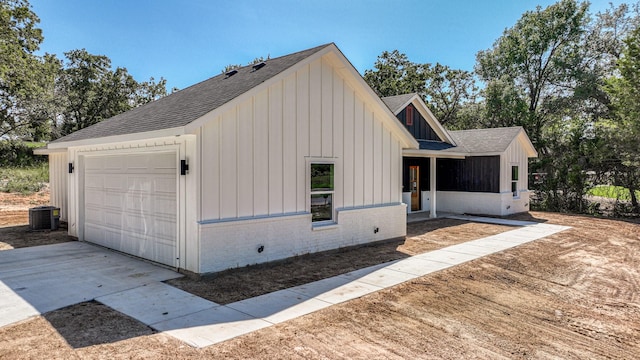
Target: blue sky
{"points": [[189, 41]]}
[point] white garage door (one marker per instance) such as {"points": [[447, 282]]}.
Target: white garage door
{"points": [[130, 204]]}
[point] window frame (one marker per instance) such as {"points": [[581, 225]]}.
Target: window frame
{"points": [[311, 192], [515, 177]]}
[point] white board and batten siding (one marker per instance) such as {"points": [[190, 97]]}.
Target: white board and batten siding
{"points": [[255, 165], [58, 175]]}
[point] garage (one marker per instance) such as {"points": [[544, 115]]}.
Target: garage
{"points": [[130, 204]]}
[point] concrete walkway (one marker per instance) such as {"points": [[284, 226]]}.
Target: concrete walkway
{"points": [[201, 323], [40, 279]]}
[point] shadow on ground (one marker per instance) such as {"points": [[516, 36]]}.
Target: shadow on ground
{"points": [[91, 323], [20, 236]]}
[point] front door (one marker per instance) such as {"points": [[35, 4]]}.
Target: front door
{"points": [[414, 185]]}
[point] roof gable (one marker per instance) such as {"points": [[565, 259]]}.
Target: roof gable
{"points": [[398, 103]]}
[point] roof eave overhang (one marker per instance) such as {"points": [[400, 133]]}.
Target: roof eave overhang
{"points": [[434, 154], [527, 144], [47, 151], [176, 131]]}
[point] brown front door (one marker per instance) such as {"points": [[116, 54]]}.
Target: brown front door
{"points": [[414, 185]]}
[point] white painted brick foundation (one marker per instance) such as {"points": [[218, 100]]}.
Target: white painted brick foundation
{"points": [[230, 244], [499, 204]]}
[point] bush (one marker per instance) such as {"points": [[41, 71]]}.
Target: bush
{"points": [[20, 154], [24, 180]]}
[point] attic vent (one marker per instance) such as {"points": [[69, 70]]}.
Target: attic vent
{"points": [[259, 65], [231, 73]]}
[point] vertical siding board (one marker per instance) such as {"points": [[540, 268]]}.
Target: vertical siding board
{"points": [[358, 160], [289, 145], [211, 172], [261, 154], [386, 166], [368, 156], [348, 142], [302, 138], [396, 173], [229, 163], [245, 159], [315, 108], [275, 149], [337, 136], [378, 158], [327, 109]]}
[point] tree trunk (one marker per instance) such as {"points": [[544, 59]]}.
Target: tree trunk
{"points": [[634, 200]]}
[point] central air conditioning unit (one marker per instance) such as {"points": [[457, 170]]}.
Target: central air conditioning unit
{"points": [[44, 218]]}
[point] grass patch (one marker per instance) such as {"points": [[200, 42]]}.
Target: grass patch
{"points": [[24, 180], [612, 192]]}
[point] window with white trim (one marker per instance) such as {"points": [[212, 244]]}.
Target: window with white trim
{"points": [[322, 190], [514, 180]]}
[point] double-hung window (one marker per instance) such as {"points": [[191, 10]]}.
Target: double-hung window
{"points": [[322, 190], [514, 181]]}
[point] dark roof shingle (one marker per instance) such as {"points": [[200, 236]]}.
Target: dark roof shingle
{"points": [[394, 103], [184, 106], [484, 140]]}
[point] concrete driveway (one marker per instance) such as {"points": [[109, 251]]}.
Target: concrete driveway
{"points": [[40, 279]]}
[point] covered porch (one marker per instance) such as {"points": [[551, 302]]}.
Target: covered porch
{"points": [[420, 179]]}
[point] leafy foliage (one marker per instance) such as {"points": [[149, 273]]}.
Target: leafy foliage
{"points": [[92, 91], [24, 77], [444, 89]]}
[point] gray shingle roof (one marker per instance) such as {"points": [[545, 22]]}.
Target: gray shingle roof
{"points": [[394, 103], [484, 140], [189, 104]]}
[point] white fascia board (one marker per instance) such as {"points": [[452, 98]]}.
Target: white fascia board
{"points": [[434, 154], [526, 144], [177, 131], [47, 151]]}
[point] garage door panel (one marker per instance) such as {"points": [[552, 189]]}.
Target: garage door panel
{"points": [[115, 182], [113, 219], [164, 185], [131, 206], [113, 200], [94, 215]]}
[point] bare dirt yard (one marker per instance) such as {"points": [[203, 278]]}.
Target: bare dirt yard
{"points": [[575, 294]]}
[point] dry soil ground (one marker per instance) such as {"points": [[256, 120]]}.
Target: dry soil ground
{"points": [[571, 295]]}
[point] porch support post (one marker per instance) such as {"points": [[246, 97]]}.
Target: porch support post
{"points": [[432, 183]]}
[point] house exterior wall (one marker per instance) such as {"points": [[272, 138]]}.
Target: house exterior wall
{"points": [[255, 179], [230, 244], [502, 203], [58, 174], [514, 155]]}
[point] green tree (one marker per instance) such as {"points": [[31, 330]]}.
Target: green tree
{"points": [[535, 62], [26, 80], [445, 90], [92, 91], [623, 129]]}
